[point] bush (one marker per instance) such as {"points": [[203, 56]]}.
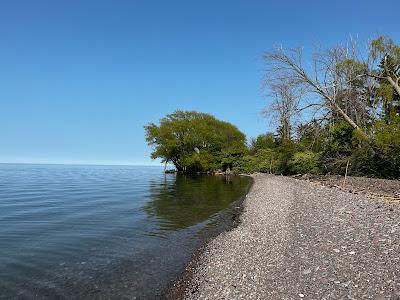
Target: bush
{"points": [[267, 160], [304, 162], [264, 160], [337, 148], [246, 164], [286, 150], [387, 141], [263, 141]]}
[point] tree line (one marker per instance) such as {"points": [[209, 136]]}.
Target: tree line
{"points": [[336, 108]]}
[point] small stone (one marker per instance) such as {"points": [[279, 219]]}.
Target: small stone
{"points": [[336, 250], [301, 295], [307, 271], [352, 252], [346, 284]]}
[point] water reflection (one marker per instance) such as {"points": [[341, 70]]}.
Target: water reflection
{"points": [[186, 200], [82, 232]]}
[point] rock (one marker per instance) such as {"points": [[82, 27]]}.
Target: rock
{"points": [[307, 271]]}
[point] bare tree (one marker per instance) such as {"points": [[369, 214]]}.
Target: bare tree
{"points": [[285, 96], [324, 79]]}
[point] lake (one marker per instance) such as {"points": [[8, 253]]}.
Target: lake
{"points": [[69, 231]]}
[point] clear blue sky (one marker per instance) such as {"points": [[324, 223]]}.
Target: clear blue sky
{"points": [[79, 79]]}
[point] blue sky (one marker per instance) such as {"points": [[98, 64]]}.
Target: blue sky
{"points": [[79, 79]]}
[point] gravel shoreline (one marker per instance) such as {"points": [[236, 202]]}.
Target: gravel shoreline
{"points": [[300, 240]]}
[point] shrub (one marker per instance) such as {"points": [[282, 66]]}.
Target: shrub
{"points": [[337, 148], [387, 140], [304, 162], [264, 160]]}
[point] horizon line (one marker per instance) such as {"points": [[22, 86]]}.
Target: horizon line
{"points": [[81, 164]]}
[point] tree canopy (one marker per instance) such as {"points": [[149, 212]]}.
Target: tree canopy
{"points": [[338, 108], [195, 142], [348, 104]]}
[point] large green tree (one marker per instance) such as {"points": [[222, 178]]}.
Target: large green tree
{"points": [[195, 142]]}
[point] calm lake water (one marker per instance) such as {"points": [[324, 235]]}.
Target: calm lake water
{"points": [[104, 231]]}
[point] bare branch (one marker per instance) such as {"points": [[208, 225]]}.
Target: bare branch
{"points": [[287, 66]]}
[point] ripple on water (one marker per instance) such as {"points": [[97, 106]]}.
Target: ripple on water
{"points": [[109, 231]]}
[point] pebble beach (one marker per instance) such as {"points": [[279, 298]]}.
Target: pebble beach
{"points": [[299, 240]]}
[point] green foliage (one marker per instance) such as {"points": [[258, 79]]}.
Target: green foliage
{"points": [[264, 160], [337, 148], [195, 142], [246, 164], [363, 162], [386, 92], [384, 45], [286, 150], [367, 96], [271, 159], [379, 157], [304, 162], [384, 159], [387, 139], [263, 141], [310, 137]]}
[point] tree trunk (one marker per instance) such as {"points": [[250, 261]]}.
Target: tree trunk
{"points": [[393, 84], [346, 117], [349, 120]]}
